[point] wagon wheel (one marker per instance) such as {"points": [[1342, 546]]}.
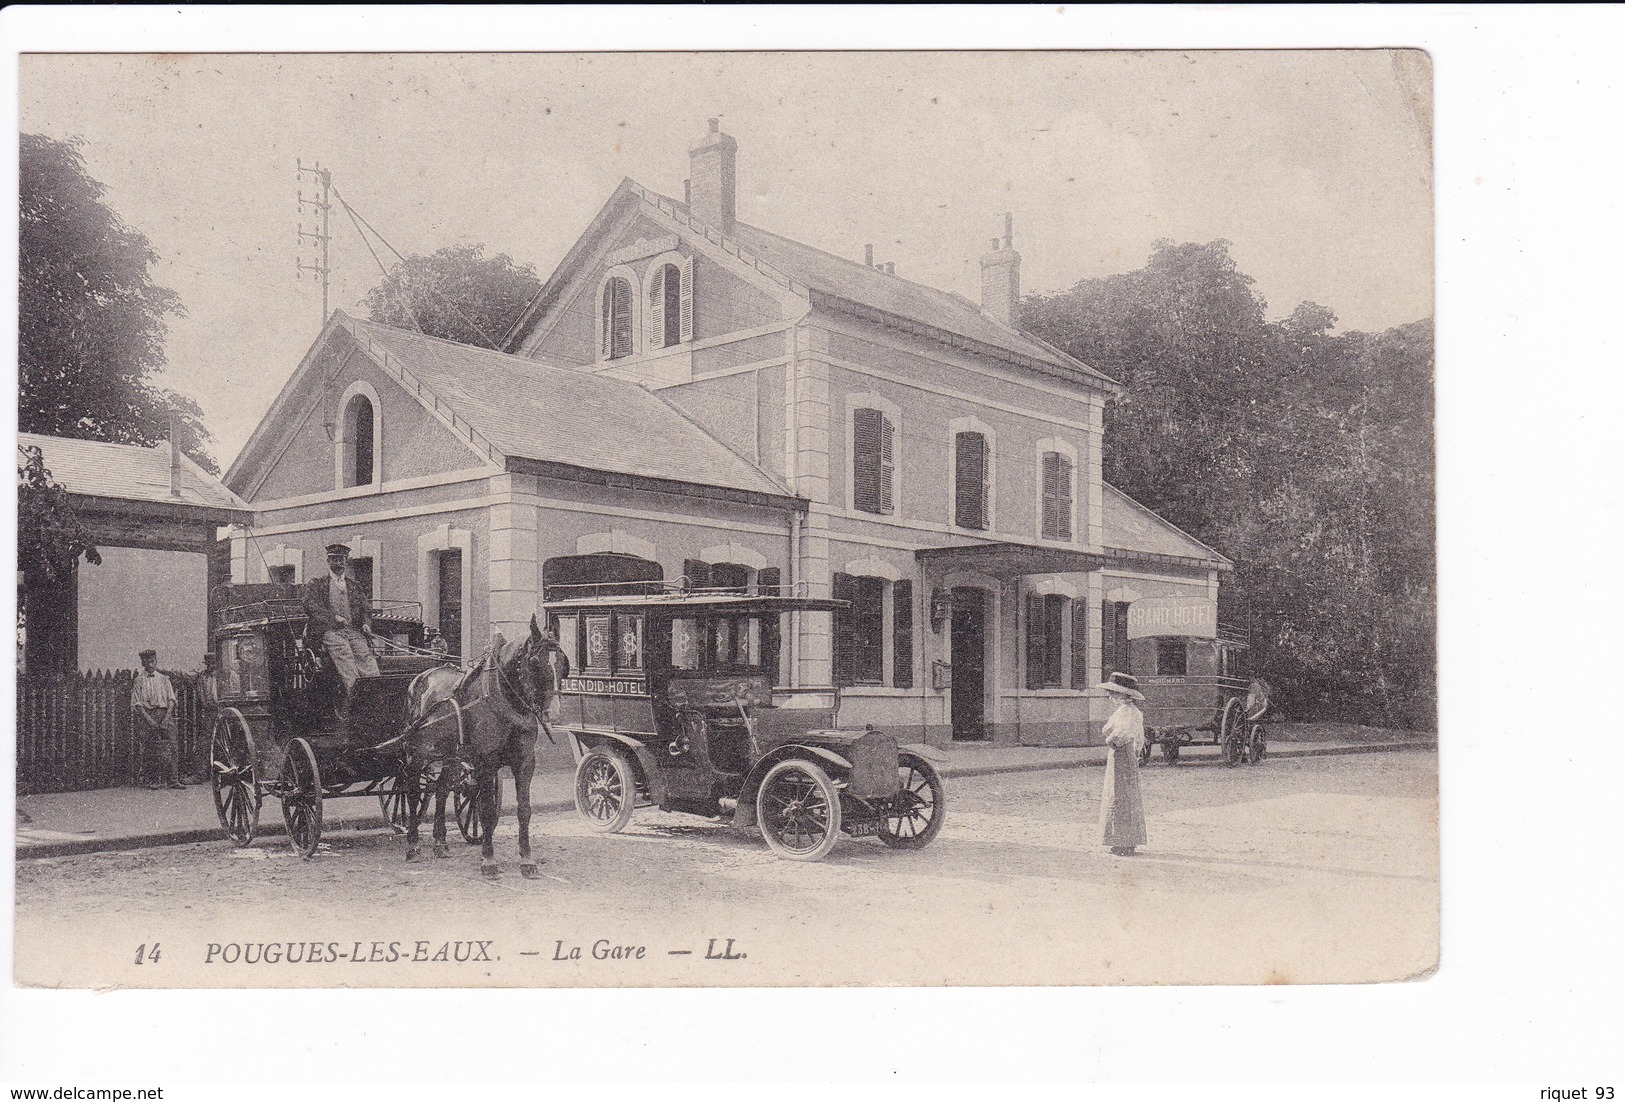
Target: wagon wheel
{"points": [[606, 791], [465, 802], [1232, 736], [799, 810], [302, 797], [920, 803], [231, 775], [1255, 744]]}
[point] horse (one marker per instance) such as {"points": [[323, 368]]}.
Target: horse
{"points": [[487, 717]]}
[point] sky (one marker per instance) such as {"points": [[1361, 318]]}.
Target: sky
{"points": [[1315, 165]]}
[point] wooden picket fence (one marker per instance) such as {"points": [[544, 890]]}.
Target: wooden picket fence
{"points": [[77, 731]]}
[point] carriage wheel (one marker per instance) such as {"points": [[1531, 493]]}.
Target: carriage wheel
{"points": [[231, 775], [606, 791], [920, 803], [302, 797], [1255, 744], [1232, 734], [799, 810], [465, 802]]}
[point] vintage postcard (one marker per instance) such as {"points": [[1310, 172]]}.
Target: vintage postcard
{"points": [[748, 519]]}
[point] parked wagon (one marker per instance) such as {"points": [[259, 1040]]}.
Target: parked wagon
{"points": [[673, 705], [1197, 680], [279, 732]]}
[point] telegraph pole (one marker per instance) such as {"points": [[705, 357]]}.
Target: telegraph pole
{"points": [[318, 208]]}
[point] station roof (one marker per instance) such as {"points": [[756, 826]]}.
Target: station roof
{"points": [[131, 472], [530, 410]]}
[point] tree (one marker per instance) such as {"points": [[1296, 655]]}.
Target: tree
{"points": [[457, 293], [91, 323], [1307, 457], [50, 539]]}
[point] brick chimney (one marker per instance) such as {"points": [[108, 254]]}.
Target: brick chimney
{"points": [[1001, 278], [711, 178]]}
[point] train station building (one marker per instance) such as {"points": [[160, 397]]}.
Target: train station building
{"points": [[693, 398]]}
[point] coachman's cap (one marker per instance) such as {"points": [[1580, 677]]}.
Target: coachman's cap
{"points": [[1124, 685], [338, 549]]}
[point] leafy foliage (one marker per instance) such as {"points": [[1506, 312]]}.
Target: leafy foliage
{"points": [[49, 536], [1306, 457], [91, 323], [457, 293]]}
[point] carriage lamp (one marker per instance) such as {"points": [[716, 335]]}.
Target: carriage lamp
{"points": [[942, 607]]}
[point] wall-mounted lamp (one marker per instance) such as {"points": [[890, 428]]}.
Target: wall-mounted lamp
{"points": [[942, 607]]}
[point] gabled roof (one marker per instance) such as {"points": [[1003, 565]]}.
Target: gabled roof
{"points": [[862, 285], [130, 472], [1130, 526], [823, 279], [529, 410]]}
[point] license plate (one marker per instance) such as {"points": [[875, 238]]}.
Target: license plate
{"points": [[864, 828]]}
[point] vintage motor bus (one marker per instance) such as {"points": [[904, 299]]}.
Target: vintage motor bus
{"points": [[1197, 680], [672, 704]]}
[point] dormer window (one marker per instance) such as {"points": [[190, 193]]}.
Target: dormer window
{"points": [[616, 316], [670, 286]]}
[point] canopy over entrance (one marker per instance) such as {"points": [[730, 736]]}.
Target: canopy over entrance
{"points": [[1009, 560]]}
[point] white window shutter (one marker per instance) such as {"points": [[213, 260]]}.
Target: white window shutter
{"points": [[687, 300], [657, 308]]}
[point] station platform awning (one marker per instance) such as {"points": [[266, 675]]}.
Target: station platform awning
{"points": [[1001, 559]]}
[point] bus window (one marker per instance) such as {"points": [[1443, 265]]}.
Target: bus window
{"points": [[685, 644], [1171, 657], [598, 643], [243, 667], [628, 642]]}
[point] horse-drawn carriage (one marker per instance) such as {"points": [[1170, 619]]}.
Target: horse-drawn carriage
{"points": [[282, 730], [1198, 685], [673, 705]]}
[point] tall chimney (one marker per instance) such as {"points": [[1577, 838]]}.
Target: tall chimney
{"points": [[711, 176], [174, 456], [868, 256], [1001, 278]]}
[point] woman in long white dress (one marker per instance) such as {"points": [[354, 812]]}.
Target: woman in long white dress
{"points": [[1122, 814]]}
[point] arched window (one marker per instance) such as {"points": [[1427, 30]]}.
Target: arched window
{"points": [[360, 416], [669, 290], [356, 446], [616, 315], [665, 307]]}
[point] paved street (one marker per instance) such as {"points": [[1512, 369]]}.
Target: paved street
{"points": [[1302, 870]]}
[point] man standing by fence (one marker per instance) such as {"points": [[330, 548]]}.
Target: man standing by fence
{"points": [[153, 702]]}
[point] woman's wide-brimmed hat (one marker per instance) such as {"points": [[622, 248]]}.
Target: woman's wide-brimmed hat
{"points": [[1122, 684]]}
